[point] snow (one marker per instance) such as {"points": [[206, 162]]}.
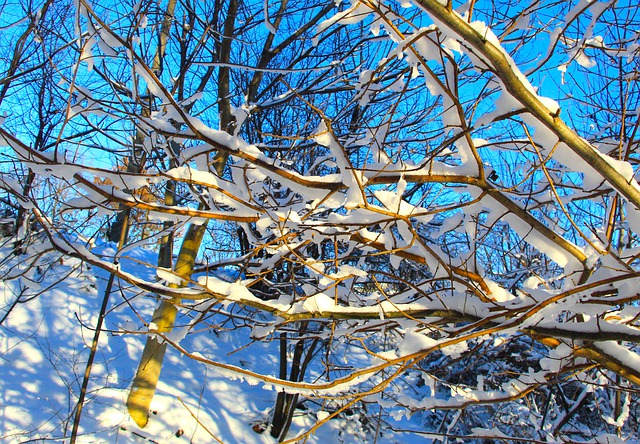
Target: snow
{"points": [[488, 433], [498, 293], [623, 417], [223, 353], [222, 385], [621, 354], [608, 438], [169, 276], [318, 303], [267, 23], [354, 14], [551, 249], [352, 179], [43, 350], [556, 357], [154, 86], [414, 342]]}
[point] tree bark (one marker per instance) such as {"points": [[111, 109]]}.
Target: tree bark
{"points": [[150, 366]]}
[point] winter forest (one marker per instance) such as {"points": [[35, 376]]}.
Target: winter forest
{"points": [[364, 221]]}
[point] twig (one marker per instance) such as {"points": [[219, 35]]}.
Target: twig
{"points": [[199, 422], [96, 334]]}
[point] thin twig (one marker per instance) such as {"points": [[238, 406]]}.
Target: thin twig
{"points": [[199, 422]]}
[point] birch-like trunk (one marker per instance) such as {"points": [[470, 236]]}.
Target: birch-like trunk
{"points": [[150, 366]]}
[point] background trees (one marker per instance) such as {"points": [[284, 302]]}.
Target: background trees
{"points": [[423, 206]]}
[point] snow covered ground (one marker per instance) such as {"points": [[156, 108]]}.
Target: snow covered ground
{"points": [[45, 342]]}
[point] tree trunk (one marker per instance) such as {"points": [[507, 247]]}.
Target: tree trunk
{"points": [[150, 366]]}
